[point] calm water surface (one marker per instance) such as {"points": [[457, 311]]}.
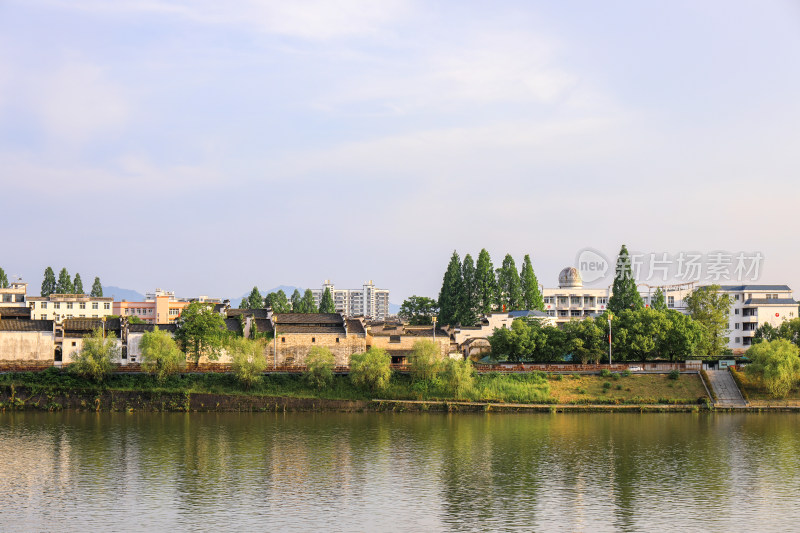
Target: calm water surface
{"points": [[398, 472]]}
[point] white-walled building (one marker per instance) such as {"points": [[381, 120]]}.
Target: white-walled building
{"points": [[368, 301], [15, 295], [60, 306], [754, 306]]}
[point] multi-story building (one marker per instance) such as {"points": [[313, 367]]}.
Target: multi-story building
{"points": [[57, 307], [368, 301], [159, 307], [14, 295], [754, 306]]}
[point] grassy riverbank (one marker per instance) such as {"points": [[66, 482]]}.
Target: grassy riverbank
{"points": [[529, 388], [757, 394]]}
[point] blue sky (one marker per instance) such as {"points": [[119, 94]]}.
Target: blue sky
{"points": [[205, 147]]}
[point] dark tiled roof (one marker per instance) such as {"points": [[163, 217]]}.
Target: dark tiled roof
{"points": [[310, 329], [263, 325], [355, 327], [309, 318], [257, 313], [90, 324], [17, 312], [770, 301], [26, 325], [233, 324], [141, 328], [755, 288]]}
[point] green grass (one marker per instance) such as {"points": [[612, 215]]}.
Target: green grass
{"points": [[533, 387]]}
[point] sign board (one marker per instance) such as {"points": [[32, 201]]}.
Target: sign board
{"points": [[725, 363]]}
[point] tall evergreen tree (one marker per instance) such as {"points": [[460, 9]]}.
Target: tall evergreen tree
{"points": [[449, 296], [531, 295], [468, 303], [308, 303], [297, 302], [244, 303], [97, 288], [77, 285], [659, 303], [3, 279], [485, 283], [49, 282], [64, 284], [278, 302], [255, 301], [509, 285], [624, 295], [326, 304]]}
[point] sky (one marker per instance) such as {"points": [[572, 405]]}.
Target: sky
{"points": [[205, 147]]}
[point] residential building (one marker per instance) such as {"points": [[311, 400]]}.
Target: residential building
{"points": [[399, 339], [27, 342], [368, 301], [159, 307], [756, 305], [15, 295], [296, 333], [473, 340], [58, 307]]}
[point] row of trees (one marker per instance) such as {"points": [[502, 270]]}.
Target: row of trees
{"points": [[470, 289], [298, 303], [788, 330], [637, 334], [67, 285]]}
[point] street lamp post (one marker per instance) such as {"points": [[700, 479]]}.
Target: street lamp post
{"points": [[610, 316], [275, 341]]}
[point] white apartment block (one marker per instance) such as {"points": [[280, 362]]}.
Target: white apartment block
{"points": [[57, 307], [754, 306], [15, 295], [368, 301]]}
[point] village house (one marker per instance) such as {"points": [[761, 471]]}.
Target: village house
{"points": [[399, 339], [25, 342], [296, 333]]}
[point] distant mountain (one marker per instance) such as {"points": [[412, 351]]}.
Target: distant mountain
{"points": [[118, 293], [288, 289], [393, 308]]}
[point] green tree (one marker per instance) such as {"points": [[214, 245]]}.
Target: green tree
{"points": [[450, 294], [255, 301], [459, 375], [64, 284], [3, 279], [97, 288], [711, 308], [777, 364], [585, 339], [96, 357], [683, 337], [278, 302], [418, 310], [320, 363], [200, 331], [531, 295], [297, 302], [326, 304], [659, 303], [485, 283], [624, 294], [49, 282], [510, 287], [468, 303], [161, 356], [425, 360], [371, 370], [308, 304], [77, 285], [517, 343], [247, 360]]}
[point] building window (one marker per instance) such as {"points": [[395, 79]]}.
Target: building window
{"points": [[337, 340], [82, 305], [69, 305], [283, 339], [57, 305], [735, 311], [44, 305], [313, 339], [736, 326], [106, 305], [94, 305], [81, 316], [736, 340], [74, 343]]}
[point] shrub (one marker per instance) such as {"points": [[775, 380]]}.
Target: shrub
{"points": [[618, 387], [606, 385], [674, 374], [160, 354], [626, 373], [460, 377], [605, 372], [94, 361], [371, 370], [247, 360], [777, 364], [319, 364], [615, 376], [425, 360]]}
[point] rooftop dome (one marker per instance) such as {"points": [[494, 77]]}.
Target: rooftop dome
{"points": [[570, 278]]}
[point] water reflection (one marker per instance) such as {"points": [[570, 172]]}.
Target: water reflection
{"points": [[590, 472]]}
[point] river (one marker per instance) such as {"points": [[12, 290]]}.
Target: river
{"points": [[78, 471]]}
